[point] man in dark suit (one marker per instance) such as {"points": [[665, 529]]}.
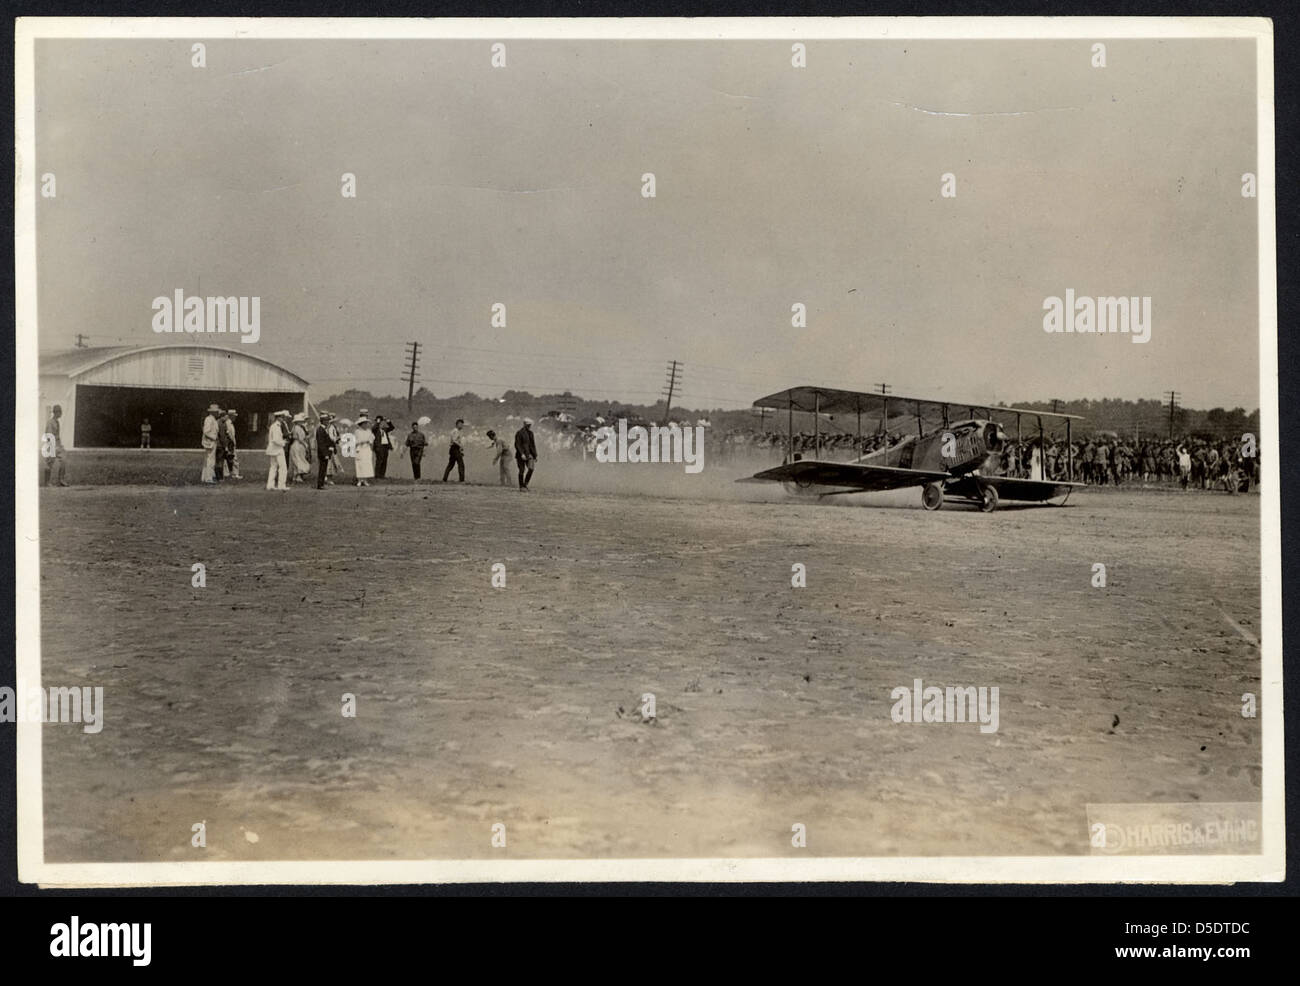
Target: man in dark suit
{"points": [[416, 442], [525, 453], [325, 446], [383, 444]]}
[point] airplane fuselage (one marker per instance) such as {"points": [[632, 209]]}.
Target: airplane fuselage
{"points": [[959, 449]]}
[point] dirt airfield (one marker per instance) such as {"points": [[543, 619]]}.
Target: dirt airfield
{"points": [[521, 705]]}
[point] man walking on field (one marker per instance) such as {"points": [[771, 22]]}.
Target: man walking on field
{"points": [[525, 453], [456, 453]]}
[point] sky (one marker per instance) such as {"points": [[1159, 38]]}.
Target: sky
{"points": [[774, 186]]}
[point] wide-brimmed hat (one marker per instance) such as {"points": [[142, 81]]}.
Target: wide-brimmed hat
{"points": [[528, 421], [363, 420], [300, 416], [213, 407], [325, 415], [232, 412], [282, 414], [362, 413]]}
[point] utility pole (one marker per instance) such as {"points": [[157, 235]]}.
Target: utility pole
{"points": [[1173, 396], [412, 362], [1056, 404], [83, 342], [884, 388], [673, 382]]}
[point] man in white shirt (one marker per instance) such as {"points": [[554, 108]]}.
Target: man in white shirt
{"points": [[456, 454]]}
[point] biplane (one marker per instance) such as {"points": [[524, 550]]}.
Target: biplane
{"points": [[954, 452]]}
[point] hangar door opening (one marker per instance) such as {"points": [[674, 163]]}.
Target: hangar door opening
{"points": [[110, 417]]}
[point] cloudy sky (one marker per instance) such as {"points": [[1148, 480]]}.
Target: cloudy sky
{"points": [[774, 185]]}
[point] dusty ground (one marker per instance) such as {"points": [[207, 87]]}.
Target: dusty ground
{"points": [[479, 705]]}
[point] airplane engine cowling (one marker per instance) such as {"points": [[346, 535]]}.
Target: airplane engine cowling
{"points": [[994, 439]]}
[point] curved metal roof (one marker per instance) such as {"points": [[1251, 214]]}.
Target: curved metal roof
{"points": [[75, 362]]}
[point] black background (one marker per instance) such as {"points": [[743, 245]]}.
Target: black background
{"points": [[918, 932]]}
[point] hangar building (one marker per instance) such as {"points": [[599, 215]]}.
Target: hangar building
{"points": [[107, 392]]}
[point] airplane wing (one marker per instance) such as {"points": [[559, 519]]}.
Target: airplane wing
{"points": [[810, 472]]}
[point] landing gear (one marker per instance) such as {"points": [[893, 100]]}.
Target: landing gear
{"points": [[802, 486], [932, 496], [989, 501]]}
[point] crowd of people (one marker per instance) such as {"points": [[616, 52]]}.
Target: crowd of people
{"points": [[297, 446]]}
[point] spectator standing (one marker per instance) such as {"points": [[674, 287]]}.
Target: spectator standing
{"points": [[383, 445], [456, 453], [500, 457], [209, 442], [232, 446], [276, 441], [416, 443], [324, 449], [54, 455], [365, 454]]}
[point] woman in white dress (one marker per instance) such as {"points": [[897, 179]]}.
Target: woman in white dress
{"points": [[365, 458], [300, 465]]}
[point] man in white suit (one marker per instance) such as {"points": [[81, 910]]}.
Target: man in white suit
{"points": [[210, 426], [277, 472]]}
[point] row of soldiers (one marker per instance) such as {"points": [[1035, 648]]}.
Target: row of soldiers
{"points": [[1192, 462]]}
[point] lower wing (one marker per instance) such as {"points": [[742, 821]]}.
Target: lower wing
{"points": [[809, 472], [1033, 490]]}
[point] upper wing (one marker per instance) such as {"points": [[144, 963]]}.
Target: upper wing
{"points": [[830, 401], [809, 472]]}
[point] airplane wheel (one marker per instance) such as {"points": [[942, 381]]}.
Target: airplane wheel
{"points": [[990, 501], [932, 496]]}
